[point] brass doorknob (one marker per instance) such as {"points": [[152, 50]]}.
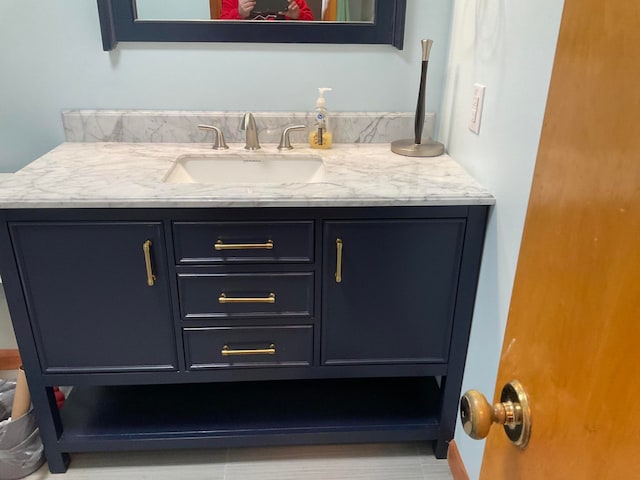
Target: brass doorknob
{"points": [[477, 414]]}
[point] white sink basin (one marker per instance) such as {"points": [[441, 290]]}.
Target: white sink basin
{"points": [[251, 167]]}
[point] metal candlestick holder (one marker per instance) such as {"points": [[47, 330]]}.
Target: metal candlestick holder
{"points": [[416, 147]]}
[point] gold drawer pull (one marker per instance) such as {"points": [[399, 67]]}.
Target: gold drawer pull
{"points": [[224, 299], [146, 248], [243, 246], [226, 351], [339, 260]]}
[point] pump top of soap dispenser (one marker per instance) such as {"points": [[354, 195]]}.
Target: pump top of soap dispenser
{"points": [[321, 102]]}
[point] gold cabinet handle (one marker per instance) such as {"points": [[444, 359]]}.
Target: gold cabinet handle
{"points": [[226, 351], [339, 260], [224, 299], [146, 248], [220, 245]]}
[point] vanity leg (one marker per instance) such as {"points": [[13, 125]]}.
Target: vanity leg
{"points": [[58, 463], [49, 423], [448, 415], [440, 448]]}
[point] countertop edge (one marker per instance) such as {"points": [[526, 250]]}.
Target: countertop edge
{"points": [[111, 175]]}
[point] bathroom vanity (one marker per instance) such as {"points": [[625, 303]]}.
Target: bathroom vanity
{"points": [[192, 315]]}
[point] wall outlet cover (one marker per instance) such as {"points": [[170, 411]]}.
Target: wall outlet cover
{"points": [[476, 108]]}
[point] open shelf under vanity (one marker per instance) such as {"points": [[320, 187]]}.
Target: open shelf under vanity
{"points": [[250, 413]]}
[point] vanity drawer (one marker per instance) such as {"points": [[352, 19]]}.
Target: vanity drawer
{"points": [[223, 347], [243, 242], [229, 295]]}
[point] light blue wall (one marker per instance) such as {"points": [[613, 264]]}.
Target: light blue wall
{"points": [[52, 59], [509, 47]]}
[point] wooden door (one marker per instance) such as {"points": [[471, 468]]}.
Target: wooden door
{"points": [[573, 335]]}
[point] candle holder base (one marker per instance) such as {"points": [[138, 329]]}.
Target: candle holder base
{"points": [[409, 148]]}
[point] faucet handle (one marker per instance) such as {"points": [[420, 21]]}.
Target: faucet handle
{"points": [[285, 143], [218, 143]]}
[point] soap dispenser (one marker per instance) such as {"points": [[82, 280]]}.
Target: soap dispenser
{"points": [[320, 135]]}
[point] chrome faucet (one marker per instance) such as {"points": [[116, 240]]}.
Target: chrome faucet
{"points": [[249, 125]]}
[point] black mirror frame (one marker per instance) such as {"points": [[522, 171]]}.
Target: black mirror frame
{"points": [[118, 24]]}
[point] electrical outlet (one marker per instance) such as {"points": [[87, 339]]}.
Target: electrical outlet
{"points": [[476, 108]]}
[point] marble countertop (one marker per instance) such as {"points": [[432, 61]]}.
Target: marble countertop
{"points": [[130, 175]]}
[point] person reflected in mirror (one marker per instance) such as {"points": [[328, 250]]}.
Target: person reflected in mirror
{"points": [[243, 10]]}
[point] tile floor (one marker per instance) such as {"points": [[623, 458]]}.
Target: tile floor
{"points": [[398, 461]]}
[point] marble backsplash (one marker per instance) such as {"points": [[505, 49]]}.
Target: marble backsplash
{"points": [[181, 126]]}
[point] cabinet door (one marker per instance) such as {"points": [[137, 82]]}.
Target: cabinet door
{"points": [[394, 302], [90, 303]]}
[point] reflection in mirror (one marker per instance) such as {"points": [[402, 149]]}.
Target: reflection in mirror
{"points": [[173, 10], [351, 11]]}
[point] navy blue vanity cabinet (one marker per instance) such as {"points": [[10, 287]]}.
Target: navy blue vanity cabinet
{"points": [[237, 327], [389, 290], [94, 304]]}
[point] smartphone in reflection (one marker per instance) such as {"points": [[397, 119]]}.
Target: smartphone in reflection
{"points": [[270, 6]]}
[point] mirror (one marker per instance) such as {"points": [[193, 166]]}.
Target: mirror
{"points": [[211, 10], [351, 22]]}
